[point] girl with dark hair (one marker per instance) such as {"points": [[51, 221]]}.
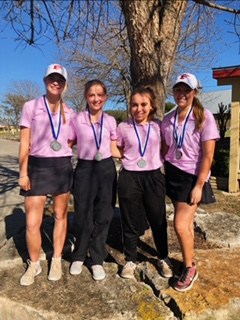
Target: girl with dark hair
{"points": [[141, 184]]}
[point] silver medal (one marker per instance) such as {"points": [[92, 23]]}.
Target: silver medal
{"points": [[178, 154], [55, 145], [141, 163], [98, 156]]}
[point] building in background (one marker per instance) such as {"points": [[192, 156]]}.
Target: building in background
{"points": [[212, 99]]}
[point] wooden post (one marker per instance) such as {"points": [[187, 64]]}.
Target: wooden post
{"points": [[231, 76], [233, 183]]}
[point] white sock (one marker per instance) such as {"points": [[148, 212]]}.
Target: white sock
{"points": [[58, 259]]}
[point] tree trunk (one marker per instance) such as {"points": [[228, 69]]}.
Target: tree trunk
{"points": [[154, 28]]}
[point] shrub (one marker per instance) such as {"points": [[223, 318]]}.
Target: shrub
{"points": [[220, 166], [119, 114]]}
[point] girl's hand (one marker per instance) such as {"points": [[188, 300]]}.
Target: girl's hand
{"points": [[196, 195], [24, 183]]}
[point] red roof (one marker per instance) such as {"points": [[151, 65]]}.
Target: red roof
{"points": [[227, 72]]}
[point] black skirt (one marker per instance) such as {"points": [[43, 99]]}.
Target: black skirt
{"points": [[179, 185], [49, 176]]}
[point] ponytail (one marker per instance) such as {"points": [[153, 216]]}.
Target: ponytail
{"points": [[62, 103], [198, 111]]}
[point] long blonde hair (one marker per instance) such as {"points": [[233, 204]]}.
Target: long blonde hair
{"points": [[62, 102], [198, 112]]}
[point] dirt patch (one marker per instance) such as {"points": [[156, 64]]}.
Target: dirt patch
{"points": [[146, 247], [226, 202]]}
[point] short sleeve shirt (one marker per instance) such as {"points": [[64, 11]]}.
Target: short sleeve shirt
{"points": [[35, 116], [82, 130], [192, 144], [128, 141]]}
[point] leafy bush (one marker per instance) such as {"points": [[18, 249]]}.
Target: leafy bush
{"points": [[220, 166], [169, 106], [119, 114]]}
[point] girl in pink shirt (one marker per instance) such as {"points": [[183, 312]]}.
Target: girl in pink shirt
{"points": [[189, 134], [46, 168], [94, 186], [141, 184]]}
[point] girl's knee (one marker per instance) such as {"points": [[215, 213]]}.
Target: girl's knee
{"points": [[33, 228], [60, 215], [183, 229]]}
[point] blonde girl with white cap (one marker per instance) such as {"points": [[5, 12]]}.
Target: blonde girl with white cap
{"points": [[45, 168]]}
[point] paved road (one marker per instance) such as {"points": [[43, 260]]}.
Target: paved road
{"points": [[11, 203], [8, 147]]}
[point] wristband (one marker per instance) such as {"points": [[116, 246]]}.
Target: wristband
{"points": [[23, 176]]}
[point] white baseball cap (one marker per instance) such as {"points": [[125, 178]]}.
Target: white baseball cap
{"points": [[56, 68], [188, 79]]}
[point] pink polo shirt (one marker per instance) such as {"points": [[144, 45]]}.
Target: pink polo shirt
{"points": [[35, 116], [192, 145], [80, 128], [127, 139]]}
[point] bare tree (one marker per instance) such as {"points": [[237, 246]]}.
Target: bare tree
{"points": [[153, 30], [26, 88], [37, 22], [74, 95], [17, 94], [11, 108], [153, 33], [105, 56]]}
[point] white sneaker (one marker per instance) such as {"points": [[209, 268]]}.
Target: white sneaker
{"points": [[165, 268], [76, 268], [98, 272], [32, 271], [128, 270], [55, 272]]}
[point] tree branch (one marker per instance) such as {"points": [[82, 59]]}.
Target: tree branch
{"points": [[68, 20], [51, 21], [217, 6], [31, 41]]}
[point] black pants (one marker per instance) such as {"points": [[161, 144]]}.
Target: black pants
{"points": [[141, 197], [94, 191]]}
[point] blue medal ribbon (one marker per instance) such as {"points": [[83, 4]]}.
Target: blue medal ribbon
{"points": [[179, 137], [142, 147], [54, 132], [98, 141]]}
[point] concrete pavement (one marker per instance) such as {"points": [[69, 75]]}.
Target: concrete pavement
{"points": [[11, 204]]}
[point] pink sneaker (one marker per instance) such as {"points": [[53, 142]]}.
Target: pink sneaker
{"points": [[187, 278]]}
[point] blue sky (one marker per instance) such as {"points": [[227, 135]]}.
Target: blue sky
{"points": [[29, 63]]}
